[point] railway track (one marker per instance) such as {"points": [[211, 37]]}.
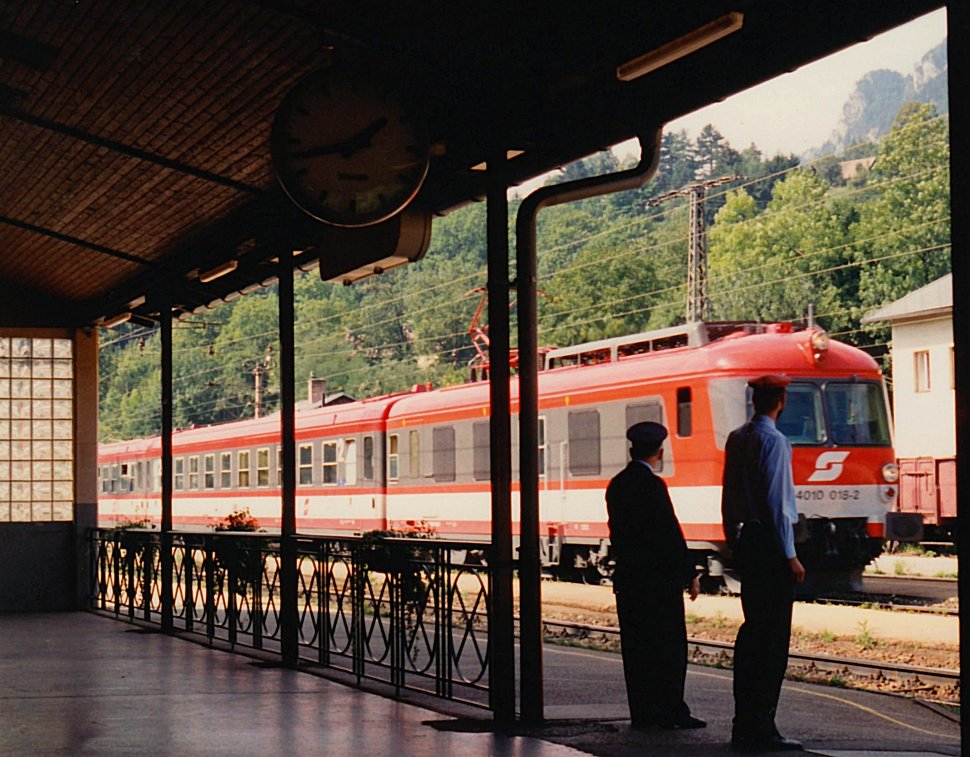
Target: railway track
{"points": [[908, 593], [935, 684]]}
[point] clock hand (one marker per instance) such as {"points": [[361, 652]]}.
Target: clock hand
{"points": [[347, 147]]}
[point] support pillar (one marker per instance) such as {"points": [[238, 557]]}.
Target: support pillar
{"points": [[289, 580], [500, 621], [166, 463]]}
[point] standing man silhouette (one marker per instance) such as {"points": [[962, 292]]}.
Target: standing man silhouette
{"points": [[758, 513], [653, 566]]}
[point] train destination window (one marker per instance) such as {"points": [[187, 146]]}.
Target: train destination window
{"points": [[306, 464], [350, 462], [392, 457], [330, 463], [179, 473], [414, 454], [225, 470], [685, 419], [368, 458], [481, 453], [209, 469], [443, 453], [262, 467], [242, 474], [584, 442], [856, 414]]}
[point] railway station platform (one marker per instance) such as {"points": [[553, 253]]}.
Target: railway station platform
{"points": [[77, 683]]}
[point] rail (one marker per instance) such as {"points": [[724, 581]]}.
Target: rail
{"points": [[411, 613]]}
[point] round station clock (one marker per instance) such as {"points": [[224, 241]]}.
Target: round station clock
{"points": [[347, 150]]}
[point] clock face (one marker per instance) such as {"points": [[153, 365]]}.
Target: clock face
{"points": [[346, 151]]}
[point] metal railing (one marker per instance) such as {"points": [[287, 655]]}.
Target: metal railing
{"points": [[412, 613]]}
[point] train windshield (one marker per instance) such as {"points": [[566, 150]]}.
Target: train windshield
{"points": [[802, 420], [856, 414]]}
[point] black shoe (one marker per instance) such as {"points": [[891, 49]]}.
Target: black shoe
{"points": [[770, 744], [684, 723]]}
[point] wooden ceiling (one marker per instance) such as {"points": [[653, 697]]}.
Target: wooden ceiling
{"points": [[134, 145]]}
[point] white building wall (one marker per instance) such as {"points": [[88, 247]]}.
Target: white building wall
{"points": [[925, 421]]}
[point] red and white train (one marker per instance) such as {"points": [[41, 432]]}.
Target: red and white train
{"points": [[421, 458]]}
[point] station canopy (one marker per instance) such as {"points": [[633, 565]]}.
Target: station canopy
{"points": [[134, 136]]}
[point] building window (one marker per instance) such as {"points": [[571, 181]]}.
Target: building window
{"points": [[368, 458], [921, 360], [262, 467], [194, 472], [414, 454], [225, 470], [584, 442], [685, 414], [443, 453], [306, 464], [330, 463], [242, 474], [179, 473], [36, 429], [393, 457], [209, 479]]}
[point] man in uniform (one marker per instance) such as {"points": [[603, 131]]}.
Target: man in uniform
{"points": [[653, 566], [758, 512]]}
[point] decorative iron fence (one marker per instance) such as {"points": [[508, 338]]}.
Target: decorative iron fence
{"points": [[409, 612]]}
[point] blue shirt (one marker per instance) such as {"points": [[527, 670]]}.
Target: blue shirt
{"points": [[758, 481]]}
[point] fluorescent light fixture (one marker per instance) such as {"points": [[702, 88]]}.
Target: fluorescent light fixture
{"points": [[681, 47], [137, 302], [220, 270], [116, 321]]}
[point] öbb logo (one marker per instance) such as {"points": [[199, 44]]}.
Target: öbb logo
{"points": [[828, 466]]}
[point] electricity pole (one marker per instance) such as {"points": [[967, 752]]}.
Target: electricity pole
{"points": [[698, 301]]}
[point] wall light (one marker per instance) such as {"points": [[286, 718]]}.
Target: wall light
{"points": [[116, 321], [681, 47], [220, 270]]}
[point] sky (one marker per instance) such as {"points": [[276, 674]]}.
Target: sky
{"points": [[798, 111]]}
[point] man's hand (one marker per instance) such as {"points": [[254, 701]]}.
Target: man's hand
{"points": [[695, 588], [797, 569]]}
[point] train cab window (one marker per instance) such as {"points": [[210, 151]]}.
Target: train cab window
{"points": [[368, 458], [584, 442], [685, 412], [330, 463], [414, 454], [194, 472], [305, 464], [262, 467], [179, 473], [481, 452], [350, 462], [856, 414], [225, 470], [393, 457], [443, 453], [209, 471], [242, 473]]}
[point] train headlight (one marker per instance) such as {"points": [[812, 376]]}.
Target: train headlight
{"points": [[820, 345], [890, 473]]}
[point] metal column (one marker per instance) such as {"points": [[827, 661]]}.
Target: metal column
{"points": [[958, 50], [168, 600], [530, 600], [289, 588], [500, 622]]}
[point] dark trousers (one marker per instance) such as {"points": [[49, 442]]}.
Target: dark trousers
{"points": [[761, 649], [654, 643]]}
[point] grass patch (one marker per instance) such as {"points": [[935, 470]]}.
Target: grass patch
{"points": [[865, 639]]}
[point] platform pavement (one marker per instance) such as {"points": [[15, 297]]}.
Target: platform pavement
{"points": [[80, 684]]}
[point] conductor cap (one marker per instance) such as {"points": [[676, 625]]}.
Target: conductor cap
{"points": [[770, 381], [646, 434]]}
